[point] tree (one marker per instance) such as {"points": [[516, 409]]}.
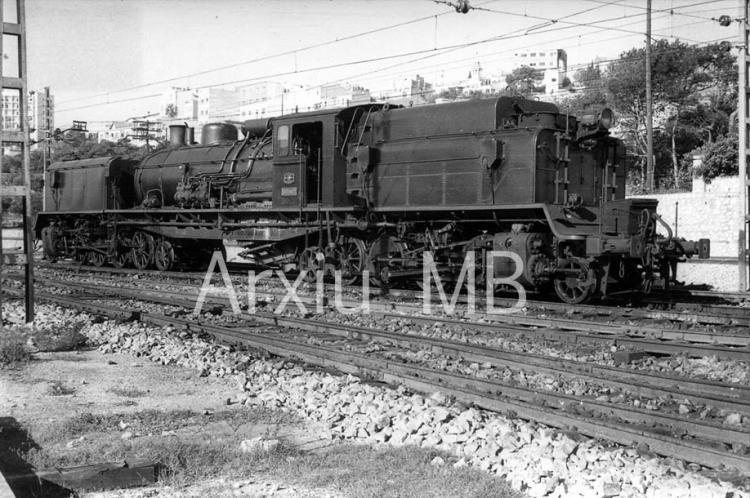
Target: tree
{"points": [[587, 93], [720, 158], [685, 79], [170, 111], [524, 81]]}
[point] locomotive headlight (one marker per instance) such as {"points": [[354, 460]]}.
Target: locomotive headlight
{"points": [[606, 118]]}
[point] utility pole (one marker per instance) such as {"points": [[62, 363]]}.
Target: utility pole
{"points": [[46, 142], [142, 131], [649, 106], [743, 96], [13, 80]]}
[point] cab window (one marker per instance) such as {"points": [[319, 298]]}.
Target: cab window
{"points": [[282, 140]]}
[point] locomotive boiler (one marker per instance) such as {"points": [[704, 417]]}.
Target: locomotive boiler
{"points": [[372, 187]]}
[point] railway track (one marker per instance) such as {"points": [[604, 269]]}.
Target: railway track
{"points": [[665, 311], [651, 340], [707, 443]]}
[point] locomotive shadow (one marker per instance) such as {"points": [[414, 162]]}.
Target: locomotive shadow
{"points": [[14, 442]]}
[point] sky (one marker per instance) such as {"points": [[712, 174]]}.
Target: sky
{"points": [[112, 59]]}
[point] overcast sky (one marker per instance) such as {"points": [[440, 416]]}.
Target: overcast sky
{"points": [[91, 52]]}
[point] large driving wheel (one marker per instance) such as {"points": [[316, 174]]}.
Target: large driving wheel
{"points": [[577, 286], [351, 258], [311, 261], [142, 253], [164, 255]]}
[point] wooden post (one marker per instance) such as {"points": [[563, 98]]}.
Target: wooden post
{"points": [[17, 82]]}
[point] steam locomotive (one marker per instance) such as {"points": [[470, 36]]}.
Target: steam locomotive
{"points": [[372, 187]]}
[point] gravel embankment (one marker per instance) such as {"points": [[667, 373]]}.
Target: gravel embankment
{"points": [[534, 458]]}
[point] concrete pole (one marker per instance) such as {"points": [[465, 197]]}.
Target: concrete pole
{"points": [[743, 146], [649, 106]]}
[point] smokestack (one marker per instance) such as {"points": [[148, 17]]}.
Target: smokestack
{"points": [[177, 135]]}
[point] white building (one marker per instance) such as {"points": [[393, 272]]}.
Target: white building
{"points": [[41, 114], [180, 104], [268, 99], [261, 100], [133, 129], [11, 110], [112, 131], [218, 104], [552, 62]]}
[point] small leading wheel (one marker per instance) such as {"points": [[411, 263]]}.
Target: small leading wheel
{"points": [[351, 258], [97, 258], [121, 260], [50, 242], [577, 286], [142, 253], [164, 255], [311, 261]]}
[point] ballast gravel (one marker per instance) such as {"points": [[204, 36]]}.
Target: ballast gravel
{"points": [[536, 459]]}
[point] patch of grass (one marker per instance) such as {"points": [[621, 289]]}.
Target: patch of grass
{"points": [[152, 421], [64, 336], [127, 392], [57, 388], [364, 472], [188, 462], [205, 450], [13, 350], [15, 340]]}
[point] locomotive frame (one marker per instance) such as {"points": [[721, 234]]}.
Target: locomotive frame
{"points": [[373, 187]]}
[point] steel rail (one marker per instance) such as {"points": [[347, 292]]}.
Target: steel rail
{"points": [[719, 394], [709, 314], [574, 333], [486, 394], [585, 332], [740, 340]]}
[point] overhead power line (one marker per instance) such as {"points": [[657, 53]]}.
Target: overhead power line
{"points": [[267, 57], [434, 52]]}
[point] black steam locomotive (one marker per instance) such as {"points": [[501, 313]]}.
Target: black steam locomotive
{"points": [[371, 187]]}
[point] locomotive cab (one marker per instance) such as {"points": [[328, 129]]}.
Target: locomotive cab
{"points": [[300, 159], [309, 167]]}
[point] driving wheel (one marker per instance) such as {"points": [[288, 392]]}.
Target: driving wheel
{"points": [[164, 255], [351, 258], [576, 286], [311, 261], [142, 253]]}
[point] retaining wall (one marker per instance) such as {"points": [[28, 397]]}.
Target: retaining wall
{"points": [[710, 211]]}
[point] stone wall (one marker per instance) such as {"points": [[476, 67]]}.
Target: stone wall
{"points": [[710, 211]]}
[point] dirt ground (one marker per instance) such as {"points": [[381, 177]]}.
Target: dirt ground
{"points": [[43, 396]]}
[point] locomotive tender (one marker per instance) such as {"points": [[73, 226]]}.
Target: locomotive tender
{"points": [[371, 187]]}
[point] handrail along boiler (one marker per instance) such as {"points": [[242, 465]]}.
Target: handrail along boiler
{"points": [[372, 187]]}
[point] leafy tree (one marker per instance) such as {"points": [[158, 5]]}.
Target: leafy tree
{"points": [[524, 81], [588, 92], [690, 87], [170, 111], [720, 158]]}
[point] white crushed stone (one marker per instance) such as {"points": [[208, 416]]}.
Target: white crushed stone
{"points": [[535, 459]]}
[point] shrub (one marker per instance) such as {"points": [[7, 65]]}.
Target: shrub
{"points": [[13, 348], [719, 158]]}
